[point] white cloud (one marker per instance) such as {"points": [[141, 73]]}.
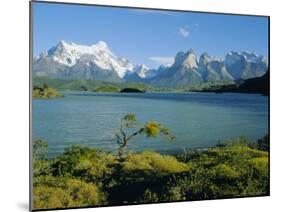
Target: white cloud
{"points": [[162, 60], [183, 31]]}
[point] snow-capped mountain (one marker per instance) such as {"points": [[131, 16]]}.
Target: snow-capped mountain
{"points": [[184, 71], [139, 74], [213, 69], [74, 61], [244, 65], [70, 60], [143, 71], [147, 73], [187, 70]]}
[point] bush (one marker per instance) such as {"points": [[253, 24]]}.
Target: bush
{"points": [[95, 166], [148, 197], [83, 162], [69, 193], [45, 197], [153, 162], [64, 165], [85, 194], [223, 173]]}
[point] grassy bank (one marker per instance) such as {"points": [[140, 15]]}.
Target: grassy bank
{"points": [[84, 176], [45, 92], [90, 85], [115, 87]]}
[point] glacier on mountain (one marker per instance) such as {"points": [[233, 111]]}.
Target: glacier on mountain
{"points": [[71, 54]]}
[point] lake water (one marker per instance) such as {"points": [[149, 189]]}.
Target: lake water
{"points": [[196, 119]]}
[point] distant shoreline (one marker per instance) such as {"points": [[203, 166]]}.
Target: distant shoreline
{"points": [[258, 85]]}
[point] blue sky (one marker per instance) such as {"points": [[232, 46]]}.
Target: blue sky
{"points": [[147, 37]]}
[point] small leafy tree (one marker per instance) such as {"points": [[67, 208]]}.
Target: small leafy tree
{"points": [[263, 144], [41, 165], [129, 129], [45, 86], [40, 149]]}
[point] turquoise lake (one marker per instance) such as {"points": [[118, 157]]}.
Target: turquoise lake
{"points": [[197, 120]]}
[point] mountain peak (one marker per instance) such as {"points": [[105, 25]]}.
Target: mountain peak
{"points": [[204, 58], [187, 59], [179, 55], [246, 55], [102, 45], [205, 55], [62, 44], [142, 70], [190, 51], [142, 66]]}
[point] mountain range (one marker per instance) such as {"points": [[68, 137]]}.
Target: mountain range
{"points": [[98, 62]]}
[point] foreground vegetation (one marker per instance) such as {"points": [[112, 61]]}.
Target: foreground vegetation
{"points": [[84, 176], [45, 92]]}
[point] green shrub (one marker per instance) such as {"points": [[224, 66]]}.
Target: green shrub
{"points": [[95, 165], [70, 193], [64, 165], [85, 194], [260, 164], [153, 162], [224, 173], [49, 197], [148, 197]]}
